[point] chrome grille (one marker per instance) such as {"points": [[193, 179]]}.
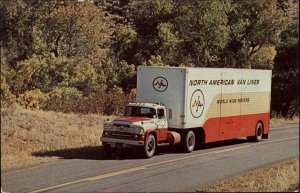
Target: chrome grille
{"points": [[126, 129], [120, 125]]}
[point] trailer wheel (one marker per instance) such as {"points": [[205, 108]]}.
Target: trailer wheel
{"points": [[259, 131], [189, 142], [149, 147]]}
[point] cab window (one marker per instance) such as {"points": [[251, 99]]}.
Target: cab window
{"points": [[136, 111], [160, 113]]}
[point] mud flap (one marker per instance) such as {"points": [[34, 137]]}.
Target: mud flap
{"points": [[265, 136]]}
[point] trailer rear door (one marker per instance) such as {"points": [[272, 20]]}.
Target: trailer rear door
{"points": [[230, 119]]}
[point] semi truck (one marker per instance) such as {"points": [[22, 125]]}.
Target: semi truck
{"points": [[190, 107]]}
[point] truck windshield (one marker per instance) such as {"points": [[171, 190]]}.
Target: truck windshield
{"points": [[135, 111]]}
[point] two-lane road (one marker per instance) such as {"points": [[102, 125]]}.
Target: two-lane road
{"points": [[170, 170]]}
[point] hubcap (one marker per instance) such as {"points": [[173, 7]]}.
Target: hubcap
{"points": [[191, 141], [259, 132], [150, 146]]}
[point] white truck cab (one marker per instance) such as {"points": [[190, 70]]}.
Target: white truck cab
{"points": [[140, 121]]}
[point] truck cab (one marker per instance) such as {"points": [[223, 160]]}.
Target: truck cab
{"points": [[143, 126]]}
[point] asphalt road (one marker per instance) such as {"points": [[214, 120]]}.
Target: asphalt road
{"points": [[168, 171]]}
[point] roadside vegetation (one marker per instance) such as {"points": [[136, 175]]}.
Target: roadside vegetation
{"points": [[280, 121], [280, 177], [25, 132]]}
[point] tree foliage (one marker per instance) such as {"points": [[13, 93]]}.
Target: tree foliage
{"points": [[69, 53], [285, 93], [254, 25], [204, 33], [79, 30]]}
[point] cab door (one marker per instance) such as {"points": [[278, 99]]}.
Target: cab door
{"points": [[161, 125]]}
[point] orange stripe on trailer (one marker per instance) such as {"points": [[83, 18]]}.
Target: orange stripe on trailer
{"points": [[223, 128]]}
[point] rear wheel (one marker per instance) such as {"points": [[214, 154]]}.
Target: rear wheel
{"points": [[189, 142], [150, 146], [200, 139], [259, 131]]}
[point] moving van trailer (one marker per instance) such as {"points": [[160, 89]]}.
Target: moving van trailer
{"points": [[192, 106]]}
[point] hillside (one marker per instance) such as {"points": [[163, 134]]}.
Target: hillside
{"points": [[24, 132]]}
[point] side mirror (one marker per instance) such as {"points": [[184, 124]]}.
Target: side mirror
{"points": [[169, 113]]}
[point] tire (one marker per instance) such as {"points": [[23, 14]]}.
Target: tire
{"points": [[149, 147], [189, 142], [200, 140], [259, 131], [107, 148]]}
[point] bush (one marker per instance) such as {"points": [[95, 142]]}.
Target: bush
{"points": [[32, 99], [71, 100], [107, 103], [7, 98], [63, 99]]}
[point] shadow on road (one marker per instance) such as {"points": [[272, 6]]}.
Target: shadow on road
{"points": [[225, 143], [97, 152], [176, 149], [88, 152]]}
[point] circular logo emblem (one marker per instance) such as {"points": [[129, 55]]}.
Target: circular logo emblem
{"points": [[160, 84], [197, 103]]}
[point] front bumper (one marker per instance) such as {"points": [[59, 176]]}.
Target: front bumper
{"points": [[114, 141]]}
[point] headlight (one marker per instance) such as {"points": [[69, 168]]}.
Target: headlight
{"points": [[137, 129]]}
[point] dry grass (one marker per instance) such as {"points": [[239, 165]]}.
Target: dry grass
{"points": [[281, 177], [279, 121], [24, 132]]}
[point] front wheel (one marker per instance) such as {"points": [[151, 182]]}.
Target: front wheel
{"points": [[150, 146], [107, 148], [189, 142]]}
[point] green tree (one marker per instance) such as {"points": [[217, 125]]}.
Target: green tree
{"points": [[119, 74], [47, 72], [167, 41], [77, 29], [123, 41], [7, 98], [146, 16], [285, 82], [45, 44], [154, 61], [254, 25], [16, 26], [179, 31], [203, 31]]}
